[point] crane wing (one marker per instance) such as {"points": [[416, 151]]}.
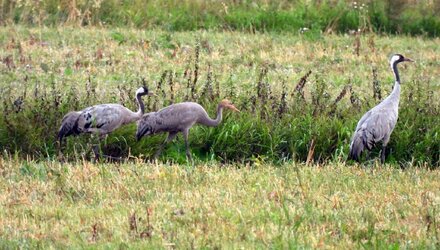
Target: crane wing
{"points": [[104, 118], [178, 117], [376, 126], [362, 120], [155, 122], [174, 118]]}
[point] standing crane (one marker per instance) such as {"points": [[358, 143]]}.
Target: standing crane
{"points": [[179, 117], [378, 123], [101, 119]]}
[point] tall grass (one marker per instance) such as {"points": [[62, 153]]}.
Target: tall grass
{"points": [[393, 17], [299, 100]]}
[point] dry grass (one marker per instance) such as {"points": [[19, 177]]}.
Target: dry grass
{"points": [[159, 205], [112, 57], [80, 204]]}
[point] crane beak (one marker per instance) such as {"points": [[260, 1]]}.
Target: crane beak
{"points": [[150, 93], [409, 60], [233, 108]]}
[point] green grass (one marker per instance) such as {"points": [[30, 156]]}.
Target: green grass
{"points": [[249, 186], [341, 16], [49, 204], [47, 72]]}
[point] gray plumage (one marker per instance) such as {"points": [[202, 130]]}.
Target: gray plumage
{"points": [[68, 125], [177, 118], [378, 123], [101, 119]]}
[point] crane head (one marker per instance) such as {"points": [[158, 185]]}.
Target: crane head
{"points": [[398, 58], [144, 91], [228, 104]]}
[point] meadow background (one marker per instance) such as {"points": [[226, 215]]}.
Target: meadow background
{"points": [[274, 175], [381, 16]]}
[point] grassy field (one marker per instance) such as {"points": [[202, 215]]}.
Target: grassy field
{"points": [[250, 185], [48, 204], [47, 72]]}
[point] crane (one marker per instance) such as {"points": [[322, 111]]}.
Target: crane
{"points": [[378, 123], [179, 117], [101, 119]]}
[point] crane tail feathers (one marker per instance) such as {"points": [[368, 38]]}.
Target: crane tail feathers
{"points": [[69, 126], [140, 132], [144, 128], [138, 136], [64, 132], [356, 148]]}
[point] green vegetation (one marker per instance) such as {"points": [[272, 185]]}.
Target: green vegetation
{"points": [[271, 176], [48, 204], [47, 72], [383, 16]]}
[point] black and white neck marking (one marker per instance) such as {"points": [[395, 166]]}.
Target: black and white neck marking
{"points": [[395, 59], [141, 91]]}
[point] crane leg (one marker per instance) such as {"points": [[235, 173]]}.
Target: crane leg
{"points": [[171, 136], [367, 155], [60, 150], [185, 136], [384, 149], [382, 154], [96, 148]]}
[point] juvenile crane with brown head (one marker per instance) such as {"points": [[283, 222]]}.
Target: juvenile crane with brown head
{"points": [[179, 117]]}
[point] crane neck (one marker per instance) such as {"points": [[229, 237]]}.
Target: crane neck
{"points": [[396, 89], [141, 106], [214, 122], [395, 71], [132, 116], [395, 94]]}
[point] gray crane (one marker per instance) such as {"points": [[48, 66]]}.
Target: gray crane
{"points": [[378, 123], [101, 119], [177, 118]]}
